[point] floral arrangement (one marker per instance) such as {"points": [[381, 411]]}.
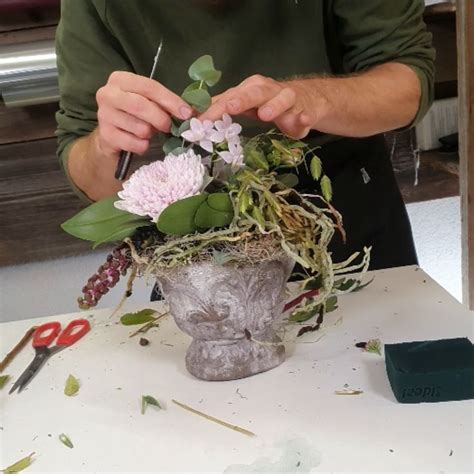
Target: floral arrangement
{"points": [[220, 196]]}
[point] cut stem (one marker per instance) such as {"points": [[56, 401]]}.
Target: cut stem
{"points": [[13, 353], [215, 420]]}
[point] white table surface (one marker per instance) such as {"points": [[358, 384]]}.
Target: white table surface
{"points": [[301, 425]]}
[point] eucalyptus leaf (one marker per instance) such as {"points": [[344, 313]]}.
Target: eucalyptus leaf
{"points": [[290, 180], [19, 466], [66, 441], [203, 70], [172, 144], [149, 400], [72, 386], [316, 168], [326, 188], [178, 218], [4, 380], [178, 128], [140, 317], [200, 99], [103, 222]]}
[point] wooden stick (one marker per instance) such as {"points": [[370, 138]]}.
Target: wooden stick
{"points": [[11, 355], [149, 325], [215, 420]]}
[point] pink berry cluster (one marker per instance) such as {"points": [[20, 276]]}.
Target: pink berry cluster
{"points": [[107, 276]]}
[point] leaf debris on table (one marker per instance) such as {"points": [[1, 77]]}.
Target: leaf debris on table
{"points": [[348, 391], [21, 465], [374, 346], [215, 420], [65, 440], [140, 317], [149, 400], [4, 380], [72, 386]]}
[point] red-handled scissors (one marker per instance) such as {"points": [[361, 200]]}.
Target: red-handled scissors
{"points": [[43, 337]]}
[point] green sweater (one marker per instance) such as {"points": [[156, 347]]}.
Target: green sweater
{"points": [[275, 38]]}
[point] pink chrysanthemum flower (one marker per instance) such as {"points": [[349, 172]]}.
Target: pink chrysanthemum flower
{"points": [[152, 188]]}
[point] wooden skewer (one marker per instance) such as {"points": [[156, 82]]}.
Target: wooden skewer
{"points": [[215, 420], [11, 355]]}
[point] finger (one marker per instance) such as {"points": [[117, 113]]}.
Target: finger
{"points": [[121, 140], [290, 124], [136, 105], [125, 122], [152, 90], [275, 107]]}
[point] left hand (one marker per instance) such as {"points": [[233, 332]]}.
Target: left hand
{"points": [[289, 104]]}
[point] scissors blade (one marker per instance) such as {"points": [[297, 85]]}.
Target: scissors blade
{"points": [[27, 376]]}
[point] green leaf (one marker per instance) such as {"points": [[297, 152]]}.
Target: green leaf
{"points": [[326, 188], [72, 386], [344, 284], [203, 70], [331, 304], [4, 380], [316, 168], [256, 159], [374, 346], [290, 180], [220, 202], [171, 145], [140, 317], [178, 128], [258, 216], [103, 222], [303, 316], [122, 232], [21, 465], [149, 400], [200, 99], [178, 218], [207, 217], [65, 440], [314, 283], [361, 286]]}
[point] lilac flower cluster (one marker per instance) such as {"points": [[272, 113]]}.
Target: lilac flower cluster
{"points": [[216, 136]]}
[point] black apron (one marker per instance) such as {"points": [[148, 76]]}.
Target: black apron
{"points": [[367, 196]]}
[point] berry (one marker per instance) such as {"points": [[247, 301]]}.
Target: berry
{"points": [[107, 276]]}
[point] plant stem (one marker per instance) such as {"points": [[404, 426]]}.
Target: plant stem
{"points": [[11, 355], [215, 420]]}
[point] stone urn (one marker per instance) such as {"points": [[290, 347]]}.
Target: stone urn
{"points": [[229, 311]]}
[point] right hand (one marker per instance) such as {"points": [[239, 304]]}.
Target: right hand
{"points": [[131, 109]]}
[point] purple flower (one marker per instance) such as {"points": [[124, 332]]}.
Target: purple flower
{"points": [[225, 130], [235, 155], [152, 188], [200, 132]]}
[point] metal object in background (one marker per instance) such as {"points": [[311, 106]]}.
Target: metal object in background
{"points": [[28, 74]]}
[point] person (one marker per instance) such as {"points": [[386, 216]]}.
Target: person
{"points": [[336, 73]]}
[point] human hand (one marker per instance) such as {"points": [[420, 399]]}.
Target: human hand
{"points": [[131, 108], [293, 106]]}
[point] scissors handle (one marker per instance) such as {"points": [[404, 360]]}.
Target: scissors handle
{"points": [[73, 332], [46, 334]]}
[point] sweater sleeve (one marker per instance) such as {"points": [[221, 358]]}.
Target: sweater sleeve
{"points": [[87, 53], [373, 32]]}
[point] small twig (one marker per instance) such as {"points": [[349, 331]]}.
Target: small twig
{"points": [[12, 354], [128, 292], [316, 327], [215, 420], [149, 325], [348, 392]]}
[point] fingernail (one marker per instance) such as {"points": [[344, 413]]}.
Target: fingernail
{"points": [[267, 112], [234, 104], [185, 112]]}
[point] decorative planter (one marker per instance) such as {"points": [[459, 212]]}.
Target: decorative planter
{"points": [[229, 311]]}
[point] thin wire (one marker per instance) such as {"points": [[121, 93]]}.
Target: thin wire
{"points": [[157, 57]]}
